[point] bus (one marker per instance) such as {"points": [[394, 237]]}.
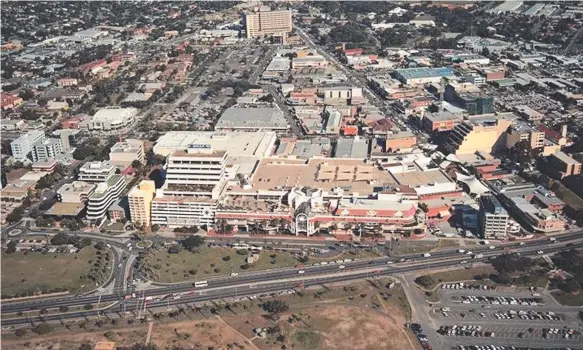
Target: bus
{"points": [[200, 284], [240, 246]]}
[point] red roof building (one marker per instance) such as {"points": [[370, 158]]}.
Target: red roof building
{"points": [[353, 52]]}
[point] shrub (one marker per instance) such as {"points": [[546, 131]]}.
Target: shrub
{"points": [[43, 328]]}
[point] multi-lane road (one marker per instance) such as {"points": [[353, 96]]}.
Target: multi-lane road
{"points": [[269, 281]]}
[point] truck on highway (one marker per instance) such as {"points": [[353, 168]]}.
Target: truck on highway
{"points": [[426, 255], [478, 256], [552, 239]]}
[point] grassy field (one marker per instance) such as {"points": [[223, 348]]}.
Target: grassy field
{"points": [[33, 272], [420, 247], [459, 275], [184, 266], [569, 299], [352, 254]]}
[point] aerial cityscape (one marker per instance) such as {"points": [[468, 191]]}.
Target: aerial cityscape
{"points": [[359, 175]]}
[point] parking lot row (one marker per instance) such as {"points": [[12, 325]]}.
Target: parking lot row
{"points": [[501, 300], [530, 315], [505, 347], [506, 332]]}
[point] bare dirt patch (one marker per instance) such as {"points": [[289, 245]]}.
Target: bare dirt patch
{"points": [[333, 327]]}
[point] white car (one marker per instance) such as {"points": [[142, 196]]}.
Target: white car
{"points": [[233, 274], [540, 252], [341, 267], [301, 271]]}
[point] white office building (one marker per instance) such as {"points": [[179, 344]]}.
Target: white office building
{"points": [[96, 171], [47, 150], [112, 118], [24, 145], [195, 178], [105, 194]]}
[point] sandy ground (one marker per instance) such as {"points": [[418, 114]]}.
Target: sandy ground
{"points": [[333, 327], [200, 334]]}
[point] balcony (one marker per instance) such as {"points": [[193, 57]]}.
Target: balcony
{"points": [[190, 187]]}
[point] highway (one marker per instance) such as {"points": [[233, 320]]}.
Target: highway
{"points": [[246, 284]]}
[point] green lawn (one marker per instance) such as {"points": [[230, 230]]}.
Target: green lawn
{"points": [[459, 275], [35, 272], [569, 299], [184, 266]]}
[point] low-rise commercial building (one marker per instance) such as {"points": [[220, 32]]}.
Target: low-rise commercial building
{"points": [[400, 141], [440, 121], [252, 119], [96, 171], [123, 153], [560, 165], [415, 76], [112, 118]]}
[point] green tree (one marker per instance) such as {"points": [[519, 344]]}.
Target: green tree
{"points": [[60, 238], [21, 332], [11, 247], [275, 307], [16, 215], [191, 243], [425, 281]]}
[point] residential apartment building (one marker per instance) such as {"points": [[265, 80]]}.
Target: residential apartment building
{"points": [[560, 165], [266, 22], [23, 146], [493, 218], [140, 201], [47, 150], [195, 179], [123, 153], [96, 171]]}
